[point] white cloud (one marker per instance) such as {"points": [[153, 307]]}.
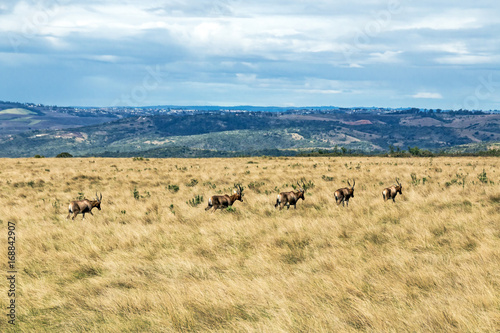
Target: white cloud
{"points": [[385, 57], [273, 49], [457, 47], [469, 59], [319, 91], [428, 95]]}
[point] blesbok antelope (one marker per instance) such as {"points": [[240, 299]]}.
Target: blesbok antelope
{"points": [[391, 192], [290, 198], [224, 201], [344, 194], [84, 206]]}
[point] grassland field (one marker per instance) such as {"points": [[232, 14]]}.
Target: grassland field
{"points": [[153, 260]]}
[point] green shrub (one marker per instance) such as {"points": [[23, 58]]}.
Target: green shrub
{"points": [[198, 199], [192, 183], [173, 188], [482, 177], [414, 180], [136, 195]]}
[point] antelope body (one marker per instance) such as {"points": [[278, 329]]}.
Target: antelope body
{"points": [[391, 192], [342, 195], [83, 206], [224, 201], [290, 198]]}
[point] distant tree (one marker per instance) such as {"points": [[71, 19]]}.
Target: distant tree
{"points": [[38, 156], [415, 151], [64, 155]]}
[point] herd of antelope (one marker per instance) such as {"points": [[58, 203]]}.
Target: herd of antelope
{"points": [[342, 196]]}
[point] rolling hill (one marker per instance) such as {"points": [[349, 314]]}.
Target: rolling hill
{"points": [[219, 133]]}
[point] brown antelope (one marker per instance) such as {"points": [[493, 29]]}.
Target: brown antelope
{"points": [[344, 194], [290, 198], [84, 206], [224, 201], [391, 192]]}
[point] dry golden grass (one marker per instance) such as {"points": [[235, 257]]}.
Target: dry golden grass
{"points": [[429, 262]]}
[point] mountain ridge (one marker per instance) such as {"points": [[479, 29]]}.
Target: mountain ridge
{"points": [[244, 132]]}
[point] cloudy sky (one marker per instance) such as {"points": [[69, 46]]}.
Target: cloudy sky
{"points": [[388, 53]]}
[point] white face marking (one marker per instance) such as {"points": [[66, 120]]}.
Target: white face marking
{"points": [[210, 201]]}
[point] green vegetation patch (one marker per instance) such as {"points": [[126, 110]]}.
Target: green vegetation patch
{"points": [[18, 111]]}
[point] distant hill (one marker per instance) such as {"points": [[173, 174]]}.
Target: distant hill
{"points": [[18, 111], [18, 118], [216, 133], [474, 147]]}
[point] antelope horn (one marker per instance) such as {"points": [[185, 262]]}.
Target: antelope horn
{"points": [[100, 197], [298, 185], [348, 183], [96, 197], [353, 182]]}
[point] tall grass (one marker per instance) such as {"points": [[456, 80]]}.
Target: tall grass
{"points": [[153, 261]]}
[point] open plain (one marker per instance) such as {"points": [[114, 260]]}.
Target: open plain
{"points": [[153, 260]]}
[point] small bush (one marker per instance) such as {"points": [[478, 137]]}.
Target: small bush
{"points": [[306, 184], [483, 178], [255, 186], [462, 178], [327, 178], [210, 185], [192, 183], [64, 155], [173, 188], [230, 209], [136, 195], [414, 180], [198, 199]]}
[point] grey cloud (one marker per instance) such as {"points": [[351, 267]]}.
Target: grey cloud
{"points": [[306, 53]]}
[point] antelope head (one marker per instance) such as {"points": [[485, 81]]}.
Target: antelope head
{"points": [[238, 192], [352, 187], [301, 191], [399, 188], [98, 201]]}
